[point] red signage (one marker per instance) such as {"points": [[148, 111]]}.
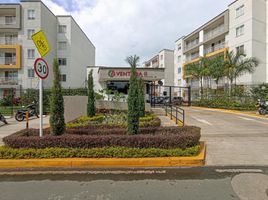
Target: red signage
{"points": [[121, 73]]}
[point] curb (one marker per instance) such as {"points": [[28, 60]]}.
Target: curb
{"points": [[237, 112], [195, 161]]}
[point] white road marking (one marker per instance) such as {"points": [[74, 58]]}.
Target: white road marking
{"points": [[202, 121], [239, 170], [249, 119]]}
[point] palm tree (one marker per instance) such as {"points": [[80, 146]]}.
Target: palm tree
{"points": [[237, 64], [198, 71], [133, 60], [216, 69]]}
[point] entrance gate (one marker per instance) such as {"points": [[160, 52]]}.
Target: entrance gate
{"points": [[169, 95]]}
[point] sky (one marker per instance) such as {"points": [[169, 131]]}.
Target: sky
{"points": [[120, 28]]}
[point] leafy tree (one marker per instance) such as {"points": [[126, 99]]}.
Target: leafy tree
{"points": [[141, 98], [57, 124], [91, 109], [260, 92], [237, 64], [133, 97], [216, 69]]}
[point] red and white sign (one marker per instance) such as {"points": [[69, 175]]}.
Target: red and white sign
{"points": [[41, 68]]}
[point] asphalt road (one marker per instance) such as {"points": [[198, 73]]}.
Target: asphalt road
{"points": [[232, 139], [162, 184]]}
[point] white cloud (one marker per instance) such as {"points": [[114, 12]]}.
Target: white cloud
{"points": [[119, 28]]}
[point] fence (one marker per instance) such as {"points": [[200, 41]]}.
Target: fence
{"points": [[175, 113]]}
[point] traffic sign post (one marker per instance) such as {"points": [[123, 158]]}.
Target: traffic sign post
{"points": [[41, 69], [41, 43]]}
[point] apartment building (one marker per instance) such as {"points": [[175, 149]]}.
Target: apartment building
{"points": [[18, 22], [242, 27]]}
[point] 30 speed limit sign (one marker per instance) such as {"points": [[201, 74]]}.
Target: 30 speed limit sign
{"points": [[41, 68]]}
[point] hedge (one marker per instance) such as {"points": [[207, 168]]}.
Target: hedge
{"points": [[110, 152], [164, 138]]}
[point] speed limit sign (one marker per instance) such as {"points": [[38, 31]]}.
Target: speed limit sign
{"points": [[41, 68]]}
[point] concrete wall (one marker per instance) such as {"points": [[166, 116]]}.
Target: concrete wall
{"points": [[73, 110]]}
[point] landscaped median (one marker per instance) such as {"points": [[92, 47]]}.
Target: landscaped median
{"points": [[103, 145]]}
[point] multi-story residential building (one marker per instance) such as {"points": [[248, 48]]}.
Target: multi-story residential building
{"points": [[242, 27], [164, 59], [68, 43]]}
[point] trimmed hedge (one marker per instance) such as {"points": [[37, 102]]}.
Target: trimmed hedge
{"points": [[110, 152], [164, 138]]}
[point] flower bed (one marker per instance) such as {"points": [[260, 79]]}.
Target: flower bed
{"points": [[110, 152], [164, 138]]}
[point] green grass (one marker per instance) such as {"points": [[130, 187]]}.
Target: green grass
{"points": [[109, 152]]}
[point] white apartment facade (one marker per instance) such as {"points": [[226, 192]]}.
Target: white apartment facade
{"points": [[17, 51], [242, 27]]}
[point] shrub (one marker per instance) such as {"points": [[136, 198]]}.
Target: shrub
{"points": [[84, 121], [141, 97], [166, 138], [91, 109], [110, 152], [56, 120]]}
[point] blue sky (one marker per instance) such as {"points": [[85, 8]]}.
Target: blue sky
{"points": [[119, 28]]}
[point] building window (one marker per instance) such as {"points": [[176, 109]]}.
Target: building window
{"points": [[9, 20], [240, 11], [62, 45], [30, 73], [30, 32], [179, 82], [179, 58], [240, 30], [63, 77], [179, 47], [31, 54], [62, 28], [31, 14], [240, 49], [179, 70], [63, 61]]}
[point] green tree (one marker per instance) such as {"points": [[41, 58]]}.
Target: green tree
{"points": [[141, 98], [133, 97], [237, 64], [91, 109], [57, 124], [216, 69]]}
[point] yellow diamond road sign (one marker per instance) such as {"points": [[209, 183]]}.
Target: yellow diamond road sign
{"points": [[41, 43]]}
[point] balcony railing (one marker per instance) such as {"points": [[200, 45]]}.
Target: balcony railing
{"points": [[192, 57], [215, 48], [9, 81], [8, 41], [8, 20], [191, 45], [216, 31], [7, 60]]}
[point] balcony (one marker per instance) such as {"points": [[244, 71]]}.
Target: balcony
{"points": [[8, 40], [10, 56], [191, 45], [192, 57], [214, 32], [211, 49], [10, 16], [4, 81], [8, 20]]}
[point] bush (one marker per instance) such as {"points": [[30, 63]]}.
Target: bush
{"points": [[84, 121], [91, 109], [110, 152], [165, 138]]}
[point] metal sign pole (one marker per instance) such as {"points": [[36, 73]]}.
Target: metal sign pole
{"points": [[41, 106]]}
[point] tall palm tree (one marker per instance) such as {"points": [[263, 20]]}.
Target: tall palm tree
{"points": [[133, 60], [237, 64], [216, 69]]}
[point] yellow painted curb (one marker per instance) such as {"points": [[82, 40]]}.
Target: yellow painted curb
{"points": [[198, 160], [232, 112]]}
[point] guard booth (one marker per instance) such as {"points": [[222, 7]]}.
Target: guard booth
{"points": [[169, 95]]}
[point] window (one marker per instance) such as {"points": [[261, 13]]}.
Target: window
{"points": [[9, 20], [179, 58], [240, 30], [30, 32], [62, 61], [31, 53], [179, 70], [31, 14], [62, 45], [240, 11], [63, 77], [62, 28], [179, 82], [240, 49], [30, 73], [179, 47]]}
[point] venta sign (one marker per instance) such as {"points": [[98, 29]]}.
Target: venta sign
{"points": [[120, 73]]}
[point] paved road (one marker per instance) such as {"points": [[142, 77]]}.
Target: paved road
{"points": [[168, 184], [232, 139]]}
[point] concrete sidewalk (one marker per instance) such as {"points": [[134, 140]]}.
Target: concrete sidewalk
{"points": [[165, 121], [14, 126]]}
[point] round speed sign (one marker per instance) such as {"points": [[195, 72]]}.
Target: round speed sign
{"points": [[41, 68]]}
